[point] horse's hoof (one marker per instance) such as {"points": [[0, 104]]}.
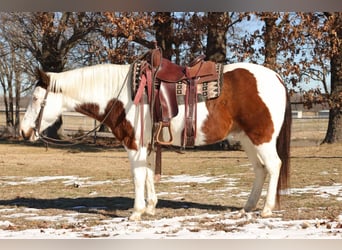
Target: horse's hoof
{"points": [[150, 210], [266, 213], [135, 216], [239, 214], [151, 206]]}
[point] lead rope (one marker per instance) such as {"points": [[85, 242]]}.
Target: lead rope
{"points": [[79, 139], [158, 158], [75, 140]]}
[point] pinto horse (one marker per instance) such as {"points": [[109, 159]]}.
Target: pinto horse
{"points": [[253, 105]]}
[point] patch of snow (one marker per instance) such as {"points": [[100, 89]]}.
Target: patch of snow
{"points": [[320, 191], [191, 178], [70, 218], [223, 225], [208, 226], [18, 215], [160, 194], [5, 223], [68, 180], [6, 210]]}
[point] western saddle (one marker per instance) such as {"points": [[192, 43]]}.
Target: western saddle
{"points": [[164, 85], [164, 81]]}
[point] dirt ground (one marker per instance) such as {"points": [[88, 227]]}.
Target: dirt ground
{"points": [[95, 182]]}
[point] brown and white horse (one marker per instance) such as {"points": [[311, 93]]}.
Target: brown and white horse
{"points": [[253, 105]]}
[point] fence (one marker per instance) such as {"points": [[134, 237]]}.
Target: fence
{"points": [[306, 125]]}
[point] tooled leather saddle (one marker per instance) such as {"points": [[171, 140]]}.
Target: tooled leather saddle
{"points": [[166, 85]]}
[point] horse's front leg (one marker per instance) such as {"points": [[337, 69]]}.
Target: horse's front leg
{"points": [[151, 193], [142, 175]]}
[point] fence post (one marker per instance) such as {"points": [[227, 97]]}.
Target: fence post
{"points": [[95, 135]]}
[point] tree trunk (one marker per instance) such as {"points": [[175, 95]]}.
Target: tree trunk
{"points": [[216, 43], [217, 49], [18, 81], [10, 99], [163, 28], [334, 132], [271, 42]]}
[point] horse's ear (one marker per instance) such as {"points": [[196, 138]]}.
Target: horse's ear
{"points": [[43, 78]]}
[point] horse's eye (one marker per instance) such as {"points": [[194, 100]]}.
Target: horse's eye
{"points": [[34, 98]]}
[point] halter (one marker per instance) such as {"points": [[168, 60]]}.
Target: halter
{"points": [[75, 140], [72, 141], [38, 121]]}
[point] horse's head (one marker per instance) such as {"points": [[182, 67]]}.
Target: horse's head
{"points": [[42, 111]]}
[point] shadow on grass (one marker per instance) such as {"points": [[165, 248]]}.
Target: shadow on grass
{"points": [[73, 148], [105, 205]]}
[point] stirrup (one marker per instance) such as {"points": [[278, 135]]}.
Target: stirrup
{"points": [[158, 134]]}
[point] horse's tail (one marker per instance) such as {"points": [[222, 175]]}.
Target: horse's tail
{"points": [[283, 149]]}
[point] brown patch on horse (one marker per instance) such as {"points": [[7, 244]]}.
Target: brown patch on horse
{"points": [[239, 107], [116, 120]]}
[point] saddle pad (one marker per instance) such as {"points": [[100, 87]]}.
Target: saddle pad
{"points": [[136, 78], [206, 90]]}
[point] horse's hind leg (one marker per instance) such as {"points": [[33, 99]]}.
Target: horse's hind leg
{"points": [[264, 159], [269, 156], [260, 175]]}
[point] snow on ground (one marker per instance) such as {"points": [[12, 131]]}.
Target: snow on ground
{"points": [[184, 178], [224, 225], [203, 226], [68, 180]]}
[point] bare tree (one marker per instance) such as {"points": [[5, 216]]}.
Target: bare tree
{"points": [[48, 37], [13, 77]]}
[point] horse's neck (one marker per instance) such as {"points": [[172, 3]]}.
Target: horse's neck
{"points": [[93, 97]]}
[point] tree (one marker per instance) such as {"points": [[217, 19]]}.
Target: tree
{"points": [[126, 34], [324, 33], [218, 24], [49, 37], [12, 79], [303, 47], [334, 39], [271, 39], [163, 29]]}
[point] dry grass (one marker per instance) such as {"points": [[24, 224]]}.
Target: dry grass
{"points": [[25, 205], [311, 166]]}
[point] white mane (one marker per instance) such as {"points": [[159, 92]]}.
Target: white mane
{"points": [[92, 83]]}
